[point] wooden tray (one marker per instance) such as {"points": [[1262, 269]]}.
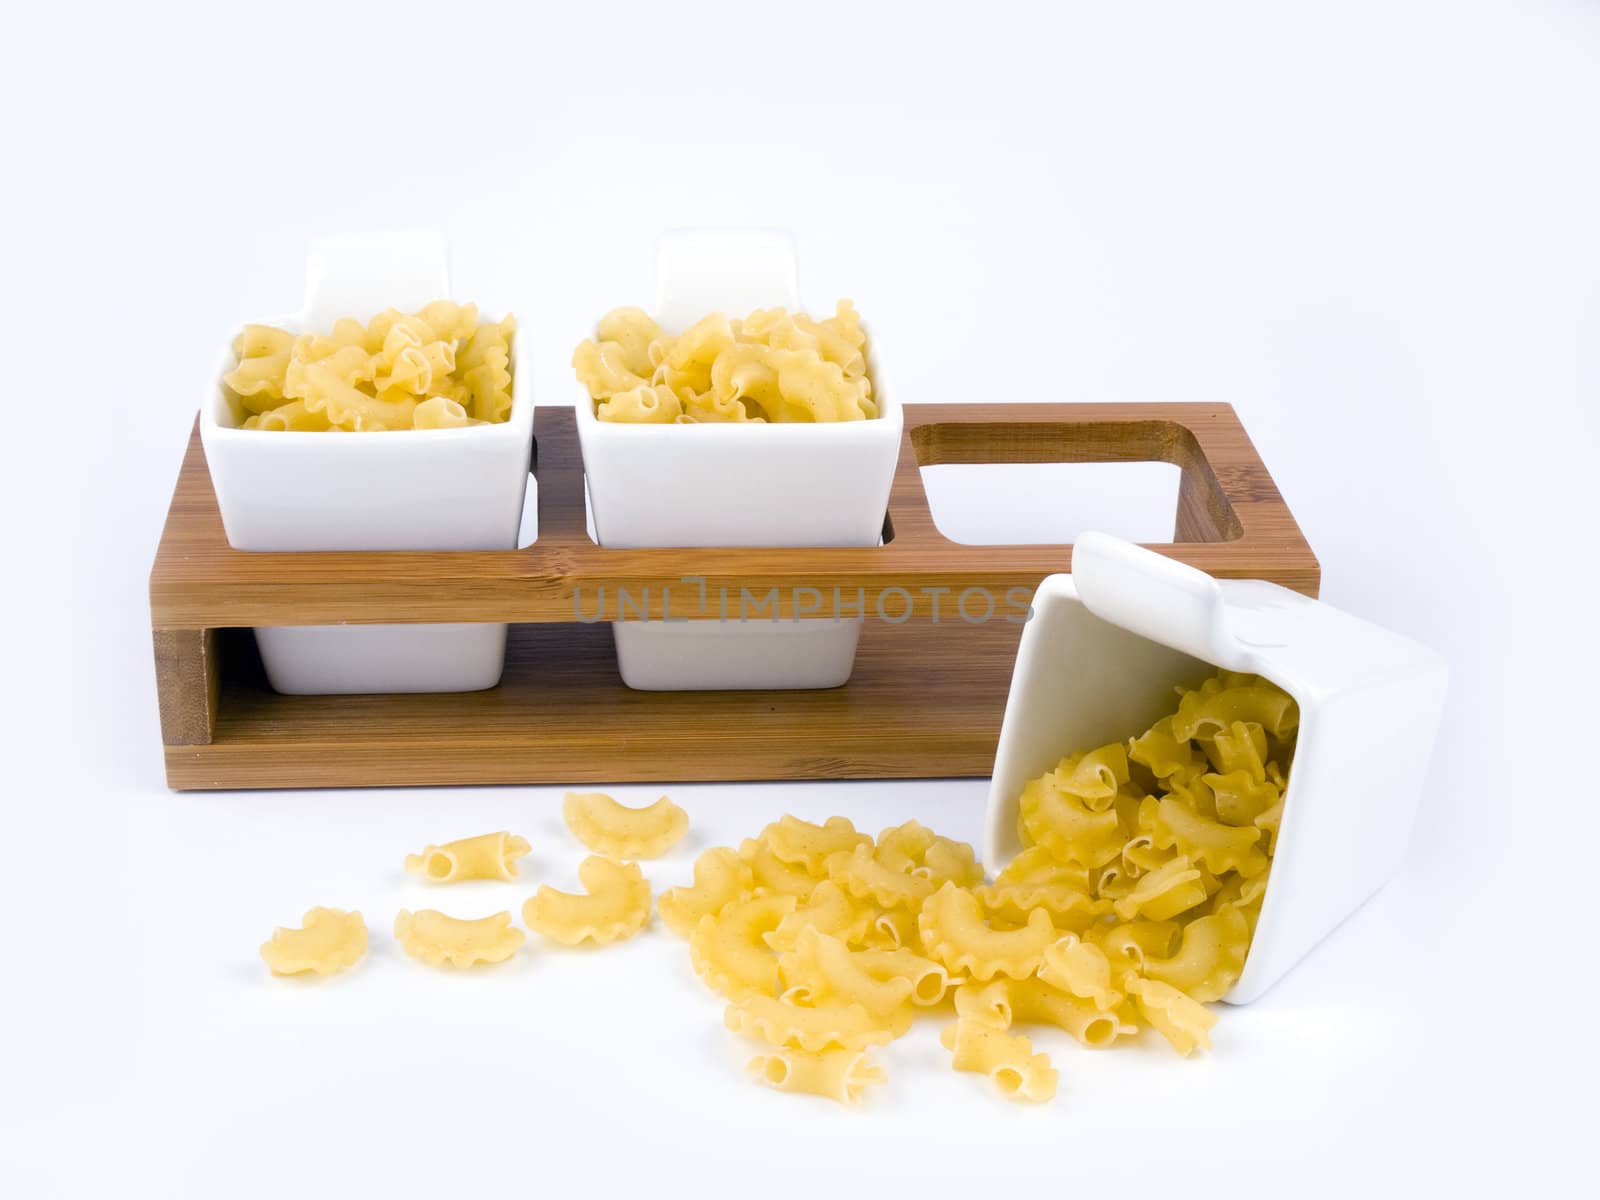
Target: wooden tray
{"points": [[926, 697]]}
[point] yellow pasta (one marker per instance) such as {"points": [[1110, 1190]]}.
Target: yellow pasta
{"points": [[828, 909], [432, 937], [607, 827], [860, 873], [1008, 1059], [955, 935], [822, 968], [616, 905], [729, 951], [1183, 1021], [720, 878], [487, 856], [841, 1075], [779, 1021], [803, 844], [328, 941], [438, 368], [769, 366]]}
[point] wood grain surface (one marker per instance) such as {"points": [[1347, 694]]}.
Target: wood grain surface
{"points": [[925, 699]]}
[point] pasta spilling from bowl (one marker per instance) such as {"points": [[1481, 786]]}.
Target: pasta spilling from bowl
{"points": [[772, 365], [438, 368], [1132, 904]]}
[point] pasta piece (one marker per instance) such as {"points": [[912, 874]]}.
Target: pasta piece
{"points": [[1217, 704], [1210, 958], [1082, 969], [487, 856], [985, 1003], [631, 330], [1130, 945], [954, 934], [607, 827], [894, 929], [840, 1075], [1069, 908], [1065, 825], [729, 952], [864, 877], [617, 905], [1095, 777], [947, 861], [431, 937], [1008, 1059], [1170, 889], [441, 412], [828, 910], [772, 874], [800, 843], [1034, 1002], [1165, 754], [719, 879], [1185, 1023], [1218, 847], [781, 1022], [822, 968], [902, 848], [328, 941], [929, 981], [643, 405], [1238, 798]]}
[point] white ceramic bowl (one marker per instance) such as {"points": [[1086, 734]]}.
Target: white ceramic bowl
{"points": [[426, 489], [737, 485], [1098, 661]]}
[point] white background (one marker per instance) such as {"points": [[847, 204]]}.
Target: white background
{"points": [[1372, 227]]}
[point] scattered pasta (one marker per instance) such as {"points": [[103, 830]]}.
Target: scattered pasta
{"points": [[432, 937], [607, 827], [487, 856], [437, 368], [616, 905], [328, 941], [771, 366], [1132, 904]]}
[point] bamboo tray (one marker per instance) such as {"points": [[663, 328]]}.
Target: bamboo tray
{"points": [[925, 699]]}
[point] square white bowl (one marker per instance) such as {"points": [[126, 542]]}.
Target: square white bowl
{"points": [[1098, 661], [824, 484], [423, 489]]}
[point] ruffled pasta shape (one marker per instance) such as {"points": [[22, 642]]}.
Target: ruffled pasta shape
{"points": [[1035, 1002], [432, 937], [781, 1022], [804, 844], [616, 906], [1172, 888], [860, 874], [828, 910], [929, 981], [1184, 1022], [1081, 969], [1212, 844], [328, 941], [955, 935], [1238, 798], [1219, 702], [1065, 826], [769, 366], [719, 879], [487, 856], [435, 369], [772, 874], [1069, 908], [1006, 1058], [841, 1075], [1210, 958], [1165, 754], [729, 950], [1095, 777], [607, 827], [821, 968]]}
